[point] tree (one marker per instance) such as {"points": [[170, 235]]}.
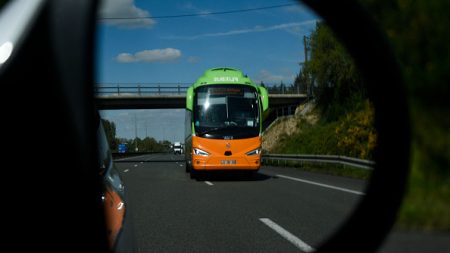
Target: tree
{"points": [[300, 82], [339, 85], [110, 131]]}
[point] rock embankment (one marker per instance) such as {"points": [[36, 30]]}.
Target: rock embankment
{"points": [[288, 125]]}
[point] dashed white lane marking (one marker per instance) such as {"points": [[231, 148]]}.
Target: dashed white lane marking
{"points": [[126, 170], [287, 235], [135, 165], [323, 185], [208, 183]]}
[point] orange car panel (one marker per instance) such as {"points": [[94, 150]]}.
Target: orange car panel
{"points": [[114, 214]]}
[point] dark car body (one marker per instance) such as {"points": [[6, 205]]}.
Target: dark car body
{"points": [[117, 222]]}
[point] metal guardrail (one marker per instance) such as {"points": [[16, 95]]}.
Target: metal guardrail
{"points": [[354, 162]]}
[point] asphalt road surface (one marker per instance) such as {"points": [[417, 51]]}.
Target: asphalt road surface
{"points": [[276, 210]]}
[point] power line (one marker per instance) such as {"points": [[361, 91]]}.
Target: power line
{"points": [[202, 14]]}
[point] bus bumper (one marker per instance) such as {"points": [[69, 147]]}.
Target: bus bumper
{"points": [[226, 163]]}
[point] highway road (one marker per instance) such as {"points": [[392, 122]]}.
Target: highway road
{"points": [[277, 210], [273, 211]]}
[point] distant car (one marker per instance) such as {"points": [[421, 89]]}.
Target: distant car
{"points": [[177, 148]]}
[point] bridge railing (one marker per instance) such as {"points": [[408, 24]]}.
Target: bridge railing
{"points": [[141, 90]]}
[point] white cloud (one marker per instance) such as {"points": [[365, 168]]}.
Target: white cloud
{"points": [[123, 9], [154, 55], [255, 29], [125, 58]]}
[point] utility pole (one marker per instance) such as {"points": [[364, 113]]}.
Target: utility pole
{"points": [[135, 134], [308, 83], [305, 62], [305, 48]]}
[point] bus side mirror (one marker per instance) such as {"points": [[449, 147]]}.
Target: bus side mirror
{"points": [[264, 98], [189, 98]]}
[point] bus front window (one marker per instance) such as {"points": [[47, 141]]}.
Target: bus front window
{"points": [[226, 111]]}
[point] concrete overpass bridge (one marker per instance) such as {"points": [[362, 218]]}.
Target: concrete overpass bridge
{"points": [[174, 96], [170, 97]]}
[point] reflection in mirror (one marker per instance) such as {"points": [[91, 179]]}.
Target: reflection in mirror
{"points": [[317, 134]]}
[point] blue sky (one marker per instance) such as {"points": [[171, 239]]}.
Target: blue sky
{"points": [[266, 44]]}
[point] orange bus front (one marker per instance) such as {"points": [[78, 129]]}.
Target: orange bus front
{"points": [[220, 154]]}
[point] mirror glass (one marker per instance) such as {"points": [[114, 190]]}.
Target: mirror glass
{"points": [[313, 146]]}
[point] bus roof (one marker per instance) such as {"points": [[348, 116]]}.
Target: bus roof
{"points": [[223, 75]]}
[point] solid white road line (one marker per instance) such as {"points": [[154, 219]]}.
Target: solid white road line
{"points": [[323, 185], [287, 235], [208, 183]]}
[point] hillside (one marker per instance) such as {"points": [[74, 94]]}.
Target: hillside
{"points": [[309, 132], [288, 125]]}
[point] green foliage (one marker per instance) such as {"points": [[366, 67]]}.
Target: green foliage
{"points": [[301, 82], [147, 144], [352, 135], [427, 203], [337, 83], [418, 31], [346, 124], [356, 133]]}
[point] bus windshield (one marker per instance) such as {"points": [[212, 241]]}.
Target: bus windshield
{"points": [[226, 112]]}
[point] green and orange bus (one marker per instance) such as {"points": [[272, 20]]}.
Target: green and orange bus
{"points": [[224, 113]]}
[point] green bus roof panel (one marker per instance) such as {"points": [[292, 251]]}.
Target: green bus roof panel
{"points": [[223, 75]]}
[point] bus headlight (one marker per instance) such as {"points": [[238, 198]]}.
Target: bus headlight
{"points": [[198, 151], [254, 152]]}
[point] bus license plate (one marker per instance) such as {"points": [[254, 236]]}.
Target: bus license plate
{"points": [[227, 161]]}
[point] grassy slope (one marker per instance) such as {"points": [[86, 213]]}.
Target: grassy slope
{"points": [[351, 135]]}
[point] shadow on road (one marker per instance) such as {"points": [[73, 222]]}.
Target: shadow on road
{"points": [[149, 161], [232, 176]]}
